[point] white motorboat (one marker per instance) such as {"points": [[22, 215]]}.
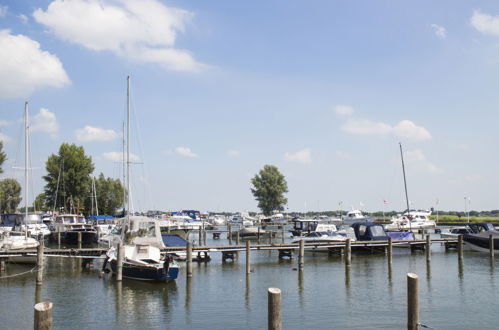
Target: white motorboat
{"points": [[32, 224], [354, 216], [323, 237], [306, 226], [411, 220], [70, 225]]}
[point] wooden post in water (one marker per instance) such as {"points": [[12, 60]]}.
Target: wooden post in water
{"points": [[200, 236], [204, 237], [2, 264], [189, 259], [428, 248], [301, 255], [119, 262], [460, 246], [79, 240], [274, 309], [229, 234], [412, 301], [58, 238], [270, 237], [39, 261], [348, 252], [43, 316], [248, 266], [258, 237], [390, 250], [491, 245], [282, 234], [237, 237]]}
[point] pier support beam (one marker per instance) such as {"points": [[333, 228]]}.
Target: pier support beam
{"points": [[229, 233], [412, 301], [301, 255], [348, 252], [58, 238], [237, 238], [189, 259], [258, 237], [40, 261], [390, 251], [2, 264], [460, 247], [428, 248], [43, 316], [79, 239], [248, 265], [491, 245], [274, 309], [119, 263]]}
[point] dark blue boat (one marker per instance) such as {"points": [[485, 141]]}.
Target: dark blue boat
{"points": [[148, 273], [369, 231]]}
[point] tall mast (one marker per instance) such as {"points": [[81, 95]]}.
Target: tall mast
{"points": [[26, 155], [405, 182], [124, 167], [128, 144]]}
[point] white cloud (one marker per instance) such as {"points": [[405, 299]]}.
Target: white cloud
{"points": [[404, 129], [4, 138], [485, 23], [3, 11], [143, 31], [301, 156], [24, 67], [91, 134], [44, 122], [233, 153], [344, 110], [186, 152], [440, 31], [116, 156], [417, 159]]}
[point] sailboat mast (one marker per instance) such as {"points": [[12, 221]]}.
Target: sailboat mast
{"points": [[124, 167], [26, 155], [405, 182], [128, 145]]}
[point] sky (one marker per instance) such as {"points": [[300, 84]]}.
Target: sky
{"points": [[324, 90]]}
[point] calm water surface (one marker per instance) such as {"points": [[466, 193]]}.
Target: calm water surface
{"points": [[368, 295]]}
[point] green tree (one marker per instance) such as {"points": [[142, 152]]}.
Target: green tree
{"points": [[68, 177], [40, 203], [269, 187], [109, 193], [3, 156], [10, 195]]}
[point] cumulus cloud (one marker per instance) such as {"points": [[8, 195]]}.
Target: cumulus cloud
{"points": [[417, 159], [117, 156], [186, 152], [44, 122], [301, 156], [143, 31], [91, 134], [404, 129], [24, 67], [485, 23], [344, 110], [440, 31]]}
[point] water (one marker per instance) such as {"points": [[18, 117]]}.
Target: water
{"points": [[327, 295]]}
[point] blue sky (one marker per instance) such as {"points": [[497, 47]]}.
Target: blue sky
{"points": [[324, 90]]}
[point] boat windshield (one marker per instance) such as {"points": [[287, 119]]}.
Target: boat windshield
{"points": [[377, 231], [148, 229]]}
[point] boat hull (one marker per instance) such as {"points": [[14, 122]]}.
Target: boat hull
{"points": [[146, 273], [480, 242]]}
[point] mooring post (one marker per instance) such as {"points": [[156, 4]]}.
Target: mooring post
{"points": [[39, 261], [79, 240], [270, 237], [58, 238], [348, 252], [237, 237], [460, 246], [43, 316], [229, 234], [2, 264], [283, 231], [491, 245], [200, 236], [301, 255], [119, 262], [189, 259], [248, 266], [412, 301], [274, 309], [428, 248], [258, 236], [390, 250]]}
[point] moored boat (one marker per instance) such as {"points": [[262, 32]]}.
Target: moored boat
{"points": [[481, 241]]}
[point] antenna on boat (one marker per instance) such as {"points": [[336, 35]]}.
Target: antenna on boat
{"points": [[405, 186]]}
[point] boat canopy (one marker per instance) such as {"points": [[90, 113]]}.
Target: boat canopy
{"points": [[369, 231]]}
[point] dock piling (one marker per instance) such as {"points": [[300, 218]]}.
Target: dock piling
{"points": [[189, 259], [301, 255], [2, 264], [248, 266], [491, 245], [412, 301], [428, 248], [229, 233], [274, 309], [390, 251], [79, 239], [258, 237], [119, 262], [348, 252], [43, 316], [58, 238], [237, 238], [40, 261], [460, 246]]}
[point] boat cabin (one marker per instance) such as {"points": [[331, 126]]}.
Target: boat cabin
{"points": [[369, 231], [479, 227], [302, 226]]}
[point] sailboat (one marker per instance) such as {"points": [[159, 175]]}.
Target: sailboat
{"points": [[21, 240], [411, 219], [141, 238]]}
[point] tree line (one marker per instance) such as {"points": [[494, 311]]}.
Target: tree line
{"points": [[68, 185]]}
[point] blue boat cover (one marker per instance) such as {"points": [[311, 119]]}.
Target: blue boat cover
{"points": [[401, 236], [100, 217], [172, 240]]}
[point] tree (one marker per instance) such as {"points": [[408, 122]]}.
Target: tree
{"points": [[3, 157], [269, 187], [40, 203], [109, 193], [68, 177], [10, 195]]}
